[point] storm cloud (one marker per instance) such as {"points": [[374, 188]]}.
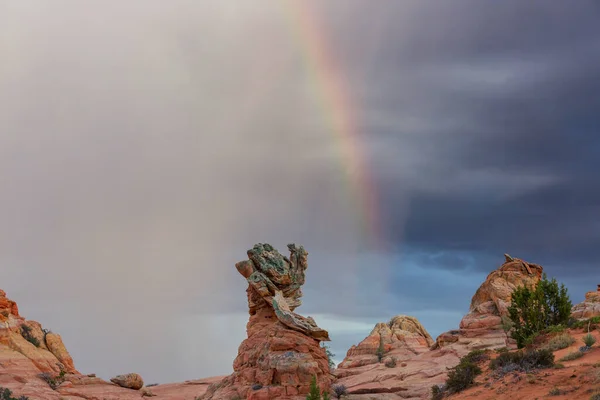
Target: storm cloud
{"points": [[144, 146]]}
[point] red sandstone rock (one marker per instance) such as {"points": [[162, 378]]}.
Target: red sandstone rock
{"points": [[481, 327], [589, 308], [282, 351], [129, 381]]}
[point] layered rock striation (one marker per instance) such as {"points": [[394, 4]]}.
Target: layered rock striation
{"points": [[589, 308], [482, 326], [282, 352]]}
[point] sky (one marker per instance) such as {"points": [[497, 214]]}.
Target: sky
{"points": [[146, 145]]}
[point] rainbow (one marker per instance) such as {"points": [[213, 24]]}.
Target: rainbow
{"points": [[335, 99]]}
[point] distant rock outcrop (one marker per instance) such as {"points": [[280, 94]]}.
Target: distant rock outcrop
{"points": [[401, 338], [589, 308], [129, 381], [282, 352], [482, 326], [407, 369]]}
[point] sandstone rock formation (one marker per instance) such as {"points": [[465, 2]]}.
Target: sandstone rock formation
{"points": [[408, 368], [22, 362], [282, 352], [421, 363], [482, 326], [589, 308], [402, 338], [129, 381]]}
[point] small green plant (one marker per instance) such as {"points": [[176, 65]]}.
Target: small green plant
{"points": [[6, 394], [572, 356], [556, 328], [380, 352], [559, 366], [28, 335], [330, 356], [595, 396], [589, 340], [314, 393], [463, 375], [559, 342]]}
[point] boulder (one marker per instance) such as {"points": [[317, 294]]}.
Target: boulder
{"points": [[282, 352], [130, 381]]}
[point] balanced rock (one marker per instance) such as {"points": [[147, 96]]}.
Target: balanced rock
{"points": [[129, 381], [282, 351], [401, 338], [589, 308], [482, 326]]}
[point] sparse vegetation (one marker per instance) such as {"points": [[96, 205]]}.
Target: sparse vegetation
{"points": [[330, 356], [556, 392], [591, 323], [339, 390], [53, 380], [28, 335], [438, 392], [380, 352], [463, 375], [6, 394], [589, 340], [314, 393], [595, 396], [535, 310], [559, 342], [523, 361], [572, 356]]}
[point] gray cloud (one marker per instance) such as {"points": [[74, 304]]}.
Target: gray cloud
{"points": [[145, 148]]}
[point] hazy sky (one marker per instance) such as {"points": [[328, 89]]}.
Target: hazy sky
{"points": [[146, 145]]}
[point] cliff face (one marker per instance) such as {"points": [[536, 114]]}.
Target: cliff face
{"points": [[282, 351]]}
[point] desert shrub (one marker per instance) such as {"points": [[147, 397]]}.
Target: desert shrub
{"points": [[330, 356], [556, 392], [476, 356], [559, 342], [53, 380], [535, 310], [27, 335], [502, 350], [572, 356], [339, 390], [591, 323], [6, 394], [523, 361], [556, 328], [391, 363], [595, 396], [589, 340], [380, 352], [438, 392], [463, 375], [559, 366]]}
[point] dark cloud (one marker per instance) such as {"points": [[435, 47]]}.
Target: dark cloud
{"points": [[144, 148]]}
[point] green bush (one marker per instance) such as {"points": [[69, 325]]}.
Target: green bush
{"points": [[572, 356], [52, 380], [27, 335], [314, 392], [536, 310], [380, 352], [463, 375], [559, 342], [437, 392], [6, 394], [591, 323], [589, 340], [523, 360]]}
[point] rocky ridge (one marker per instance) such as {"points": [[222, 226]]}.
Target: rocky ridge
{"points": [[588, 308]]}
